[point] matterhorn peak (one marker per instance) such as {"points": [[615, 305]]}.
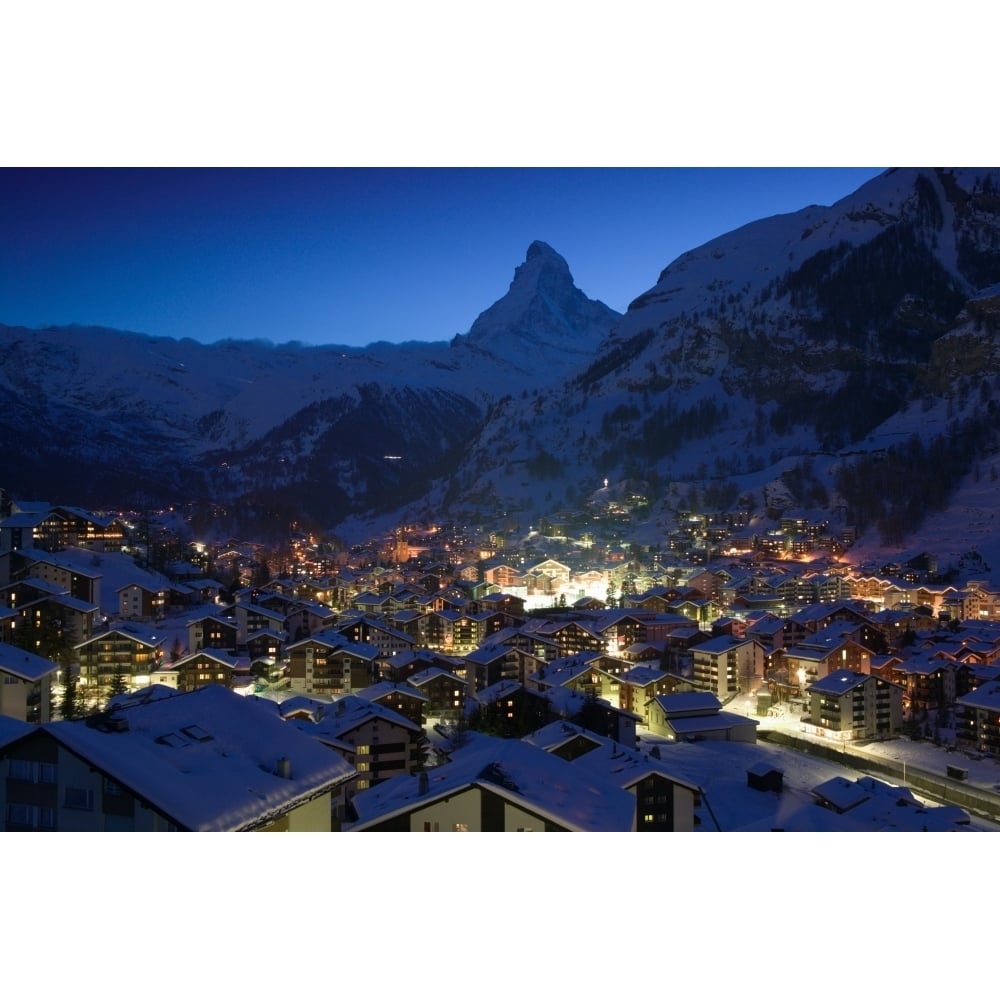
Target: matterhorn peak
{"points": [[539, 248], [543, 309]]}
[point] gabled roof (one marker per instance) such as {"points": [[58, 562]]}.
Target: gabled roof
{"points": [[425, 676], [383, 689], [565, 670], [522, 774], [220, 656], [129, 630], [208, 759], [337, 642], [502, 689], [608, 758], [346, 714], [642, 676]]}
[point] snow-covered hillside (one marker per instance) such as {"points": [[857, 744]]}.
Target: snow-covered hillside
{"points": [[106, 417]]}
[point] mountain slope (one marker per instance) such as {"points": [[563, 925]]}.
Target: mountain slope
{"points": [[791, 336], [103, 417]]}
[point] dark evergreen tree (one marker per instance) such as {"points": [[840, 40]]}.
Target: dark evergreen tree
{"points": [[71, 706]]}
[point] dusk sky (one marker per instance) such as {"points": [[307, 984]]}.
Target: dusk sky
{"points": [[351, 255]]}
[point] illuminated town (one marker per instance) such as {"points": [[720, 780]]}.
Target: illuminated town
{"points": [[447, 676]]}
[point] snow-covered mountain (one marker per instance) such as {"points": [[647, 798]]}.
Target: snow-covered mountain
{"points": [[801, 339], [106, 417], [843, 357]]}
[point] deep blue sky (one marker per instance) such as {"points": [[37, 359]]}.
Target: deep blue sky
{"points": [[350, 256]]}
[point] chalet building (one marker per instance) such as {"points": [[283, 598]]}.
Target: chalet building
{"points": [[407, 662], [698, 715], [445, 691], [32, 530], [833, 619], [460, 632], [518, 663], [205, 761], [123, 657], [212, 633], [702, 610], [386, 639], [138, 602], [855, 706], [506, 604], [727, 665], [580, 673], [640, 684], [375, 742], [48, 613], [423, 627], [251, 618], [508, 709], [82, 583], [488, 665], [265, 645], [503, 575], [210, 666], [620, 629], [812, 661], [86, 530], [978, 719], [929, 684], [329, 664], [569, 637], [497, 786], [404, 699]]}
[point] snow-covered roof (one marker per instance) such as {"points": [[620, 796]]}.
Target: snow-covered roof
{"points": [[720, 644], [422, 677], [841, 793], [347, 713], [642, 676], [501, 689], [13, 729], [986, 696], [130, 630], [699, 703], [208, 759], [839, 682], [21, 663], [384, 688], [523, 774]]}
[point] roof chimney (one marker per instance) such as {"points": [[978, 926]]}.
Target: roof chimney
{"points": [[283, 769]]}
